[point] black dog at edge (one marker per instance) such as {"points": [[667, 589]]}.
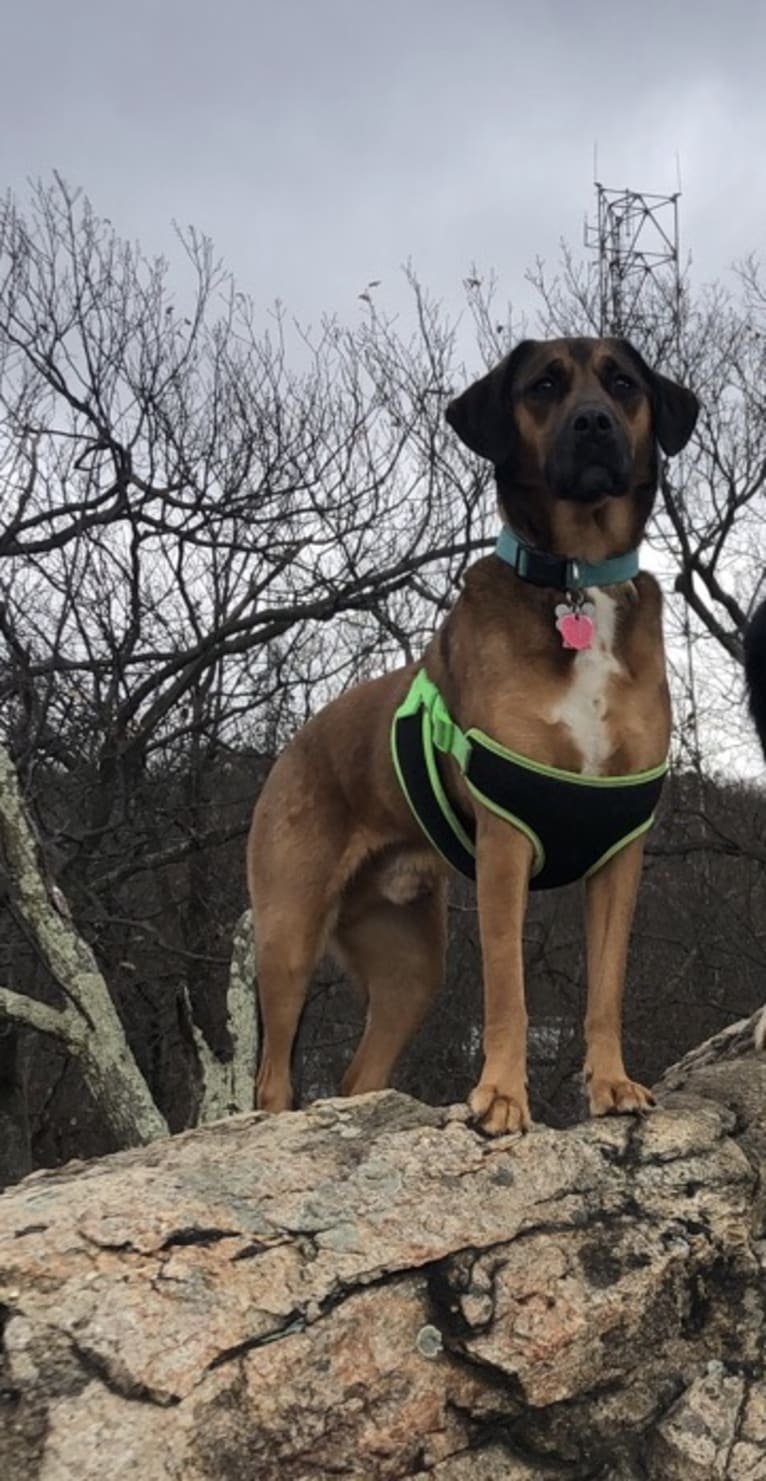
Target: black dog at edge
{"points": [[755, 670], [755, 678]]}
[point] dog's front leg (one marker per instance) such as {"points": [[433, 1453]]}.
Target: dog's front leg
{"points": [[610, 900], [503, 860]]}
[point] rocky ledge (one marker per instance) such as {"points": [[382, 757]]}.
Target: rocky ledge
{"points": [[368, 1289]]}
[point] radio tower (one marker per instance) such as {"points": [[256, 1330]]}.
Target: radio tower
{"points": [[639, 275], [641, 298]]}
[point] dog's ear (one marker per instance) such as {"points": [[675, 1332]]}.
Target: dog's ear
{"points": [[483, 417], [675, 407]]}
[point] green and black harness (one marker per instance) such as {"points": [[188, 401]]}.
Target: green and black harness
{"points": [[574, 823]]}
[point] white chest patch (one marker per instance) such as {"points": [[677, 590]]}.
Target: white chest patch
{"points": [[584, 707]]}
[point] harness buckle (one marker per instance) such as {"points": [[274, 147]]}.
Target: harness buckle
{"points": [[448, 738], [443, 731]]}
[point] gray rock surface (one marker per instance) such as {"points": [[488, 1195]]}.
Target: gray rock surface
{"points": [[367, 1289]]}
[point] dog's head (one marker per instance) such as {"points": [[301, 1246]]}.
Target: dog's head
{"points": [[573, 420]]}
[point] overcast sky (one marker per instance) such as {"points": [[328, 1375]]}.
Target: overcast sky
{"points": [[322, 144]]}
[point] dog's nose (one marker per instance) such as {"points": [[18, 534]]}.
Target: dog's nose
{"points": [[593, 422]]}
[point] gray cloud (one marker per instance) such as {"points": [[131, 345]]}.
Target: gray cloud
{"points": [[321, 144]]}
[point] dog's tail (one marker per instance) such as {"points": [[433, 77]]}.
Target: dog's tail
{"points": [[755, 670]]}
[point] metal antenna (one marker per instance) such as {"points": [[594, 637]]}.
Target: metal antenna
{"points": [[639, 277]]}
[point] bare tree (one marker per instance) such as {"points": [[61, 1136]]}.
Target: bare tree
{"points": [[206, 529]]}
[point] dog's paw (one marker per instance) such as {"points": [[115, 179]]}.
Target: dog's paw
{"points": [[273, 1092], [495, 1112], [618, 1097]]}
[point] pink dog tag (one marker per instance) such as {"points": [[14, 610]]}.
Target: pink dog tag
{"points": [[576, 625]]}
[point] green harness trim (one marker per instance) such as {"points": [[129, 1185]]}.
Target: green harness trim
{"points": [[574, 823]]}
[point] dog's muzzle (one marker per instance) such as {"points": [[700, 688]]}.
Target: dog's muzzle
{"points": [[590, 458]]}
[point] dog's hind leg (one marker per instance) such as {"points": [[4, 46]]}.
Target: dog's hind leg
{"points": [[290, 938], [396, 953], [295, 871]]}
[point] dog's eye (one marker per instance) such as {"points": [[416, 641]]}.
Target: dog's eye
{"points": [[544, 386], [623, 383]]}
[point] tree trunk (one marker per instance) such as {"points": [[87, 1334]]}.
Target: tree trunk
{"points": [[89, 1025], [368, 1289]]}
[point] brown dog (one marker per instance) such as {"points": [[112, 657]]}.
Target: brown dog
{"points": [[554, 651]]}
